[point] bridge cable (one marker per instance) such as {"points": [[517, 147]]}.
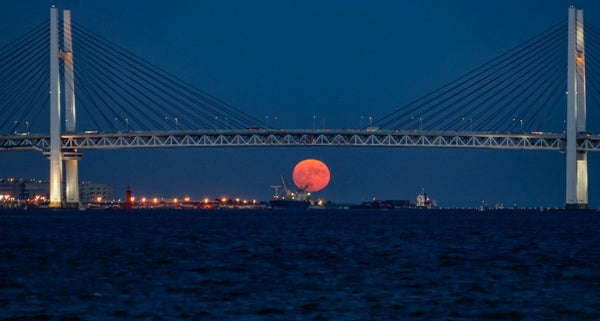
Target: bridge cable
{"points": [[154, 101], [542, 85], [461, 81], [160, 75], [505, 78], [17, 76], [499, 77]]}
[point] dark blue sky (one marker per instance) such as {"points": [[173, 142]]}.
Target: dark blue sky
{"points": [[338, 60]]}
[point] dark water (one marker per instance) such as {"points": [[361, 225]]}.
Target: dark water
{"points": [[319, 265]]}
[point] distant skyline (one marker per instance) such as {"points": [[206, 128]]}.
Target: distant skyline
{"points": [[331, 63]]}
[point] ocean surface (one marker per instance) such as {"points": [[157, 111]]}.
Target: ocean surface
{"points": [[307, 265]]}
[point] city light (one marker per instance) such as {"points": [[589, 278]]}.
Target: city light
{"points": [[101, 200]]}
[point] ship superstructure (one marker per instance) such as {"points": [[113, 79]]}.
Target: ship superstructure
{"points": [[292, 199]]}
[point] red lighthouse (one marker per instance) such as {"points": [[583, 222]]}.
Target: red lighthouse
{"points": [[129, 199]]}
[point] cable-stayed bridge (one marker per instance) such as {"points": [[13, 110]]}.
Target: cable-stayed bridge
{"points": [[514, 101]]}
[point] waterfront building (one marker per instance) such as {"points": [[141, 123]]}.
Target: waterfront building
{"points": [[90, 192], [22, 189]]}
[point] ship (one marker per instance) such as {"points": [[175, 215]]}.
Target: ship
{"points": [[423, 201], [299, 199]]}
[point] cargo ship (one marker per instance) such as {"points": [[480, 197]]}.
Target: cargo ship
{"points": [[299, 199], [289, 204], [423, 201]]}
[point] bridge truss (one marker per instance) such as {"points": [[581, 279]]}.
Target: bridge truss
{"points": [[331, 138]]}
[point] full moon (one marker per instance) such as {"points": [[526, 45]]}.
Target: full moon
{"points": [[311, 175]]}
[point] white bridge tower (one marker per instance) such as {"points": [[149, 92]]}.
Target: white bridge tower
{"points": [[57, 155], [577, 175]]}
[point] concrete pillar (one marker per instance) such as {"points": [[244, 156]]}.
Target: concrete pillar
{"points": [[577, 176], [55, 144], [71, 163]]}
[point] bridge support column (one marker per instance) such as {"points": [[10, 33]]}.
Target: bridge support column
{"points": [[577, 176], [71, 163], [55, 144]]}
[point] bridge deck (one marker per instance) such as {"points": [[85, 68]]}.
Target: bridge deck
{"points": [[301, 137]]}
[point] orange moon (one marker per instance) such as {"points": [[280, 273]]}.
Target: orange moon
{"points": [[311, 175]]}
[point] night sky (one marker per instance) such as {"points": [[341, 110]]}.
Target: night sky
{"points": [[342, 61]]}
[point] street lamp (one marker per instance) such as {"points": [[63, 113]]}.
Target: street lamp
{"points": [[421, 123], [176, 123], [314, 120], [521, 125]]}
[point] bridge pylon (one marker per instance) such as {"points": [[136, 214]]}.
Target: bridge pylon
{"points": [[577, 175], [57, 155]]}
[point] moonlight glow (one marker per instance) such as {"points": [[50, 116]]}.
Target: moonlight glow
{"points": [[311, 175]]}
